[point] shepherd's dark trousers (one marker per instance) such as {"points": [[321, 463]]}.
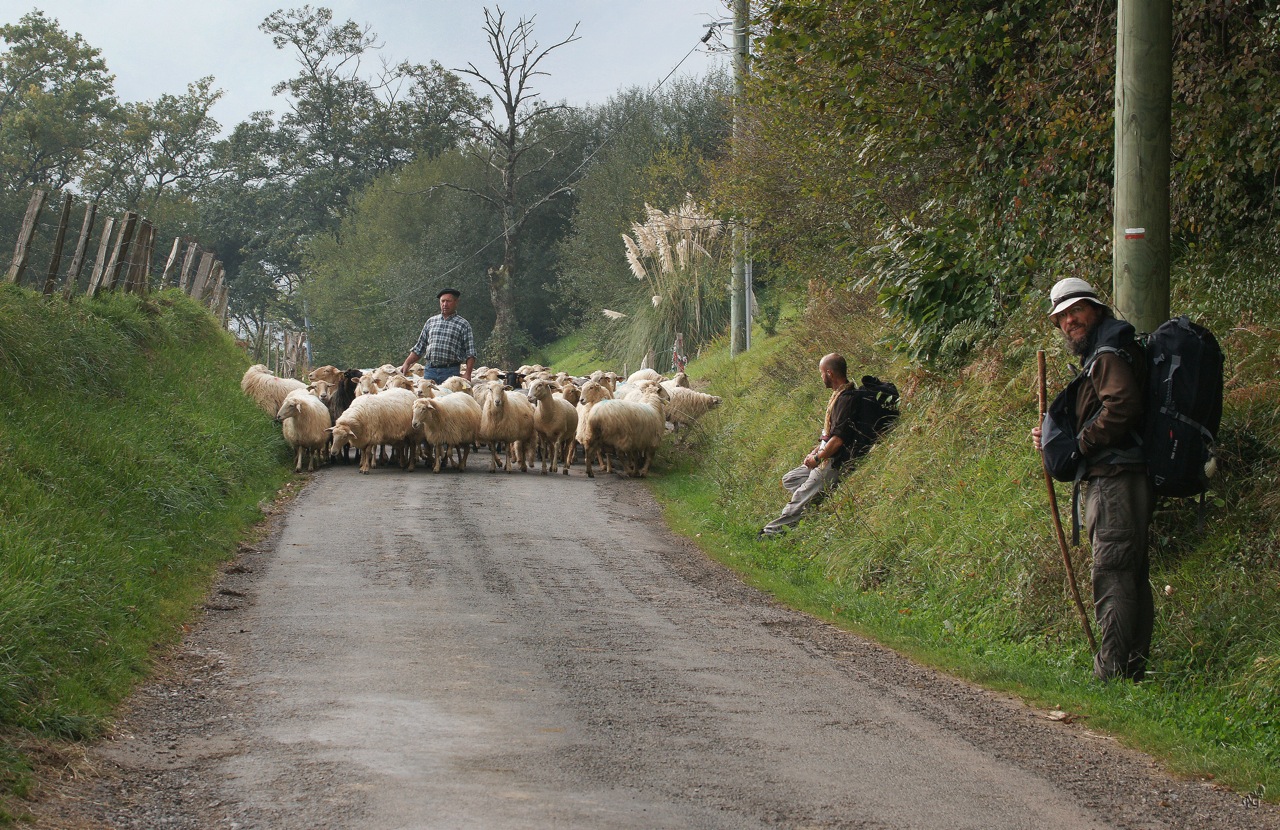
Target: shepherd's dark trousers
{"points": [[1119, 519]]}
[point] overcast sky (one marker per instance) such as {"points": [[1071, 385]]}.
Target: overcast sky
{"points": [[159, 46]]}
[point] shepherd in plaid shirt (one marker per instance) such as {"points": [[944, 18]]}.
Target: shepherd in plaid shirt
{"points": [[446, 346]]}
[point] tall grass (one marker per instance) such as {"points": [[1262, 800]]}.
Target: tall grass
{"points": [[130, 462], [676, 258], [939, 543]]}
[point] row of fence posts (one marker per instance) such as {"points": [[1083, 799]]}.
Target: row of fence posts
{"points": [[126, 250], [288, 357]]}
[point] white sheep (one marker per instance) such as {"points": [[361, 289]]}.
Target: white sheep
{"points": [[592, 393], [556, 422], [447, 421], [632, 429], [636, 390], [680, 379], [304, 420], [267, 390], [570, 392], [456, 383], [688, 405], [505, 418], [608, 379], [644, 374], [374, 420]]}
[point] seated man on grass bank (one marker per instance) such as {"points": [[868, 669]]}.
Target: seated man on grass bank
{"points": [[841, 442]]}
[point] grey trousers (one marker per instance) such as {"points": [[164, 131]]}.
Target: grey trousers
{"points": [[1118, 517], [806, 487]]}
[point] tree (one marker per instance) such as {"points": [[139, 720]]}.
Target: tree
{"points": [[343, 126], [57, 103], [161, 145], [401, 241], [518, 143], [286, 182], [645, 146]]}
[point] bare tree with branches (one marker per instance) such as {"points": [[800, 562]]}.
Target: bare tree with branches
{"points": [[513, 148]]}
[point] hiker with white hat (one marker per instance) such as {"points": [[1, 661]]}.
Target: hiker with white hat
{"points": [[1119, 500]]}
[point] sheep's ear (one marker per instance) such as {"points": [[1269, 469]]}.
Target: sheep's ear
{"points": [[329, 430], [506, 387]]}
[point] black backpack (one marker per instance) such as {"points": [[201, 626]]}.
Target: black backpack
{"points": [[1058, 446], [877, 411], [1059, 429], [1183, 407], [1183, 410]]}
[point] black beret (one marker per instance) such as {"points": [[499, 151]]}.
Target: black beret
{"points": [[455, 292]]}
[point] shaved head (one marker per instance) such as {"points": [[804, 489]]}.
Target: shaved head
{"points": [[834, 370]]}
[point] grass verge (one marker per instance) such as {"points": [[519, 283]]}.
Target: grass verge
{"points": [[939, 544], [130, 464]]}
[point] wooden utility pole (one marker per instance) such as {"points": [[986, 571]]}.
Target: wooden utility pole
{"points": [[738, 303], [1140, 224]]}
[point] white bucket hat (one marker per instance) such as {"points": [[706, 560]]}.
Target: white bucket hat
{"points": [[1068, 292]]}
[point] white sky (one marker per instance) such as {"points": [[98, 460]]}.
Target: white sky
{"points": [[159, 46]]}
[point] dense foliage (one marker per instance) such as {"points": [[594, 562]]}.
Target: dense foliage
{"points": [[373, 282], [647, 148], [255, 196], [958, 156]]}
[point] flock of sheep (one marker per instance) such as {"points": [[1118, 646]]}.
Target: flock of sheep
{"points": [[527, 415]]}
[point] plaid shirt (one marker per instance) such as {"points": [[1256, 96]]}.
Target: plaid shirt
{"points": [[445, 341]]}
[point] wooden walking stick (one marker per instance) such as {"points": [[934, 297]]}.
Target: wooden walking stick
{"points": [[1057, 518]]}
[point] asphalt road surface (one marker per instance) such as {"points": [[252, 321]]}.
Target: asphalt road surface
{"points": [[517, 651]]}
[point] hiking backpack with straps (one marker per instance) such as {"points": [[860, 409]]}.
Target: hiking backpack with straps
{"points": [[1182, 405], [877, 411]]}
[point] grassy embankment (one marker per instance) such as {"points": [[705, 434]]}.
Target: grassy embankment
{"points": [[941, 546], [130, 465]]}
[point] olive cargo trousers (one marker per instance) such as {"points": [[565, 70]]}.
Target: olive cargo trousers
{"points": [[1118, 518]]}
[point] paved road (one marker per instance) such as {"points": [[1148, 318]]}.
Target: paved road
{"points": [[514, 651]]}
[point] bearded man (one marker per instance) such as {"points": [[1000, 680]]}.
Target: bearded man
{"points": [[1119, 499]]}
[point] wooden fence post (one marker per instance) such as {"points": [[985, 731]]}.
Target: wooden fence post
{"points": [[170, 263], [99, 263], [82, 248], [215, 284], [201, 281], [188, 262], [222, 304], [22, 251], [120, 254], [137, 275], [59, 239]]}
